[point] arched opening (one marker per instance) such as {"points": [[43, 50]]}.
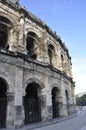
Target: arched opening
{"points": [[3, 36], [62, 61], [31, 46], [66, 93], [32, 104], [51, 51], [3, 103], [5, 24], [55, 102]]}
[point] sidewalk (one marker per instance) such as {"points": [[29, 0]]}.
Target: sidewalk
{"points": [[42, 124]]}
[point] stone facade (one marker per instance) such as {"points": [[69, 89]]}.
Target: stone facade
{"points": [[36, 82]]}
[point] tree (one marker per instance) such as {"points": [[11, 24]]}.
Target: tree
{"points": [[81, 100]]}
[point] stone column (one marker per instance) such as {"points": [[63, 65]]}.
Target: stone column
{"points": [[23, 111], [43, 108], [57, 58], [21, 45], [10, 39], [73, 98], [18, 97], [70, 101], [43, 49], [70, 67], [10, 110], [49, 106], [62, 105], [13, 39]]}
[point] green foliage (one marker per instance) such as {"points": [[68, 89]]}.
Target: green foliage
{"points": [[81, 100]]}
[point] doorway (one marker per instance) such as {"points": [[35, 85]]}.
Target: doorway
{"points": [[55, 103], [32, 104]]}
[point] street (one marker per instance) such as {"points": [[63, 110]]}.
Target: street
{"points": [[76, 123]]}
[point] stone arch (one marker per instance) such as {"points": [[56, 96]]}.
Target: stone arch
{"points": [[3, 102], [30, 81], [7, 24], [55, 101], [6, 83], [34, 31], [32, 102], [12, 20], [55, 85]]}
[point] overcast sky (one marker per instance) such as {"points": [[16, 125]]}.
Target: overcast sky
{"points": [[68, 19]]}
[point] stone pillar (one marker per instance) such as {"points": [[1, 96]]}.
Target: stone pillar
{"points": [[21, 45], [10, 39], [43, 108], [57, 60], [73, 98], [49, 105], [10, 110], [13, 39], [18, 97], [43, 49], [23, 111], [63, 105], [70, 101], [70, 67]]}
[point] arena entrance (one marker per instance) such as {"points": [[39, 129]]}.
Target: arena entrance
{"points": [[3, 103], [55, 103], [32, 104]]}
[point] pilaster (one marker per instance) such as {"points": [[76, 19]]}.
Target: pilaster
{"points": [[63, 104], [18, 97], [13, 38], [57, 60], [43, 108], [21, 45], [43, 49], [10, 39], [49, 106], [10, 110]]}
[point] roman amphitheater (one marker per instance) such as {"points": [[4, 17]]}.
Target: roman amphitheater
{"points": [[36, 83]]}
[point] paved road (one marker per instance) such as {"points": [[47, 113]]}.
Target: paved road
{"points": [[76, 123]]}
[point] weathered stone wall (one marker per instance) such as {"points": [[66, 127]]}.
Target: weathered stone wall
{"points": [[18, 74]]}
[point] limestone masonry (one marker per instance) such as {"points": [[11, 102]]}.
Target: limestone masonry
{"points": [[36, 82]]}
